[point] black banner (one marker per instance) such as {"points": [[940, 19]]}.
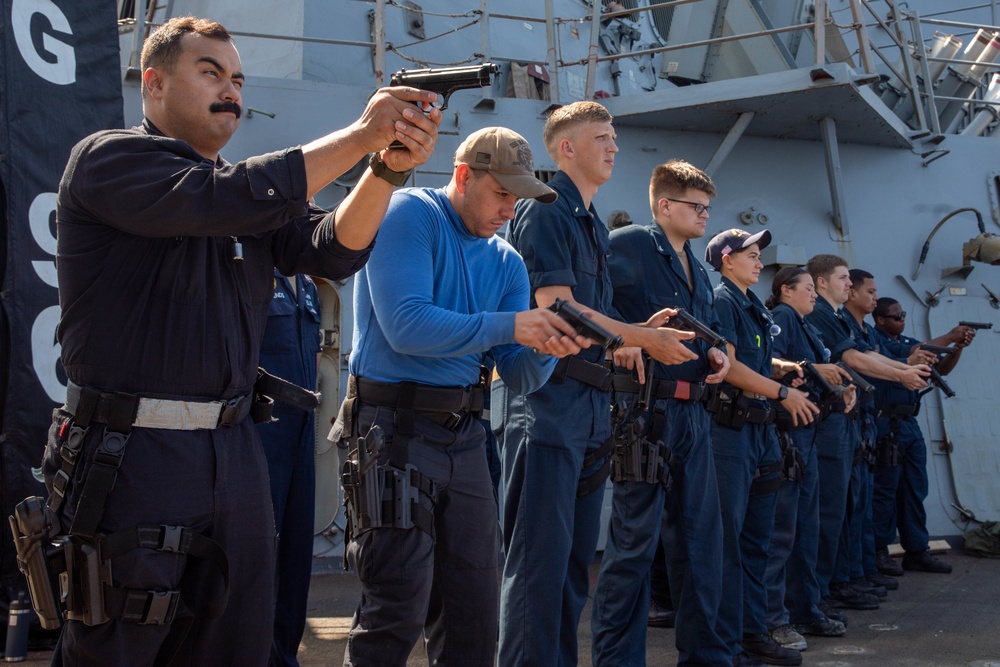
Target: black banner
{"points": [[60, 80]]}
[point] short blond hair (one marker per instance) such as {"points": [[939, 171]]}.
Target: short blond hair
{"points": [[567, 118]]}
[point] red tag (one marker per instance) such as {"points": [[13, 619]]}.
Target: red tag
{"points": [[683, 390], [62, 429]]}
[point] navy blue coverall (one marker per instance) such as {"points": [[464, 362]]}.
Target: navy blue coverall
{"points": [[898, 503], [647, 277], [836, 441], [747, 518], [291, 343], [550, 535], [792, 591], [860, 538]]}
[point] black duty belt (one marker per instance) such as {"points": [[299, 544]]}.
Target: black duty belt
{"points": [[746, 411], [594, 375], [680, 390], [442, 405], [128, 410], [899, 409]]}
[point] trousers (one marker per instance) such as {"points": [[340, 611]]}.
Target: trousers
{"points": [[790, 577], [746, 527], [898, 503], [212, 481], [688, 521], [445, 586]]}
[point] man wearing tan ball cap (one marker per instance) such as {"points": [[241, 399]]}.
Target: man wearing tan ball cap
{"points": [[507, 156], [440, 294]]}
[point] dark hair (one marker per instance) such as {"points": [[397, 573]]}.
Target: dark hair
{"points": [[674, 177], [883, 305], [619, 219], [163, 46], [822, 266], [788, 276], [859, 276]]}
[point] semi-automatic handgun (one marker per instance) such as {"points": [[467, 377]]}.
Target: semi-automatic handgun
{"points": [[446, 80], [861, 383], [826, 390], [689, 322], [586, 326], [938, 349]]}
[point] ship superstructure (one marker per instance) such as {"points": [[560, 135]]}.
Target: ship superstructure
{"points": [[867, 129]]}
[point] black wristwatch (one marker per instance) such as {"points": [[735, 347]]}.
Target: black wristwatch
{"points": [[378, 168], [782, 393]]}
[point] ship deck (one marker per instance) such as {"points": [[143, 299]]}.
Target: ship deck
{"points": [[932, 620]]}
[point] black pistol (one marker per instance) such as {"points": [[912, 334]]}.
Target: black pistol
{"points": [[586, 326], [861, 383], [689, 322], [940, 383], [936, 377], [938, 349], [976, 325], [826, 390], [446, 80]]}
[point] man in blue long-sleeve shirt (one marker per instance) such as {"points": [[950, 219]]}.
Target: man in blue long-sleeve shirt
{"points": [[440, 293]]}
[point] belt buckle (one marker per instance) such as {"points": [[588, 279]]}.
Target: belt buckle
{"points": [[230, 412]]}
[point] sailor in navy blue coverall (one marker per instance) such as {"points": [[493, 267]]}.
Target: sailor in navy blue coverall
{"points": [[653, 267], [745, 444], [793, 595], [860, 538], [289, 350], [836, 438], [557, 438], [166, 260], [901, 485]]}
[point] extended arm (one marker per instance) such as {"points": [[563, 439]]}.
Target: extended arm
{"points": [[662, 344], [390, 115], [875, 365]]}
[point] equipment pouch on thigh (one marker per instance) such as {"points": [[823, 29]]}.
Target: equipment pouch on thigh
{"points": [[364, 484], [626, 459], [887, 452], [792, 465], [88, 574]]}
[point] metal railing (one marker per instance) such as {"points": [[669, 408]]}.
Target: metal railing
{"points": [[903, 57]]}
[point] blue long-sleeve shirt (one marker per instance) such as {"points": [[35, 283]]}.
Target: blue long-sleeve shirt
{"points": [[434, 301]]}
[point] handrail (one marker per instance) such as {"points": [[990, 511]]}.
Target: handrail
{"points": [[692, 45], [909, 73]]}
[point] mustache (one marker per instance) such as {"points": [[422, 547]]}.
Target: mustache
{"points": [[219, 107]]}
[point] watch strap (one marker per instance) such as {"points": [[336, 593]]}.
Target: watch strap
{"points": [[380, 169]]}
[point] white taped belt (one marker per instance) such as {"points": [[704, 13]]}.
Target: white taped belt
{"points": [[165, 413], [178, 415]]}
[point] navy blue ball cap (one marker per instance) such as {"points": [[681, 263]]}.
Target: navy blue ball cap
{"points": [[731, 241]]}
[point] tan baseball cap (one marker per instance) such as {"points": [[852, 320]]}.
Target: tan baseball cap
{"points": [[507, 156]]}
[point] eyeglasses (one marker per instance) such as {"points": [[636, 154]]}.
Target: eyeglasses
{"points": [[698, 208], [898, 316]]}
